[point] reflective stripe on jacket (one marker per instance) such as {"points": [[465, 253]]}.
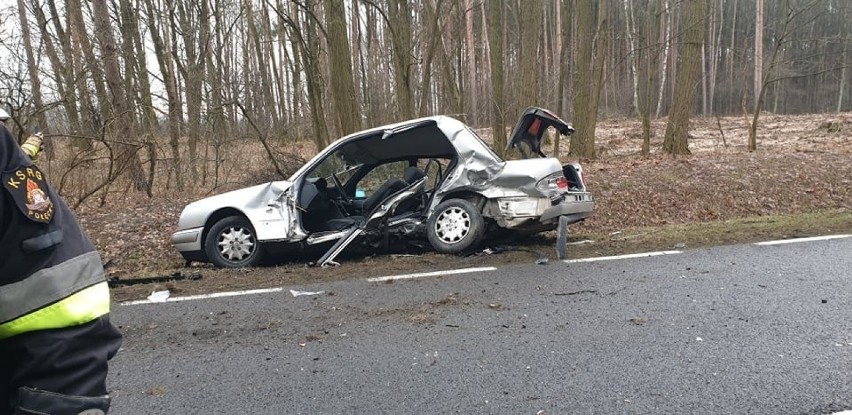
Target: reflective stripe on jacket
{"points": [[51, 275], [31, 304]]}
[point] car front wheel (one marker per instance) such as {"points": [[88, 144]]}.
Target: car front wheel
{"points": [[455, 226], [232, 243]]}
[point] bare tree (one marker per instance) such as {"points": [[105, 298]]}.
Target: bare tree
{"points": [[161, 39], [347, 115], [647, 60], [127, 156], [399, 22], [675, 141], [588, 75], [64, 80], [788, 26], [529, 19], [31, 64], [85, 59], [495, 45], [758, 53]]}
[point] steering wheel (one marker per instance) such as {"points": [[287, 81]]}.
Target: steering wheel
{"points": [[339, 187]]}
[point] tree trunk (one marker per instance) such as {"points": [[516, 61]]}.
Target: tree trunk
{"points": [[665, 34], [32, 70], [647, 32], [470, 84], [588, 73], [348, 117], [127, 156], [529, 19], [63, 78], [495, 45], [160, 38], [137, 85], [675, 141], [630, 30], [758, 52], [842, 88], [399, 16], [562, 46], [81, 37], [310, 50], [432, 15]]}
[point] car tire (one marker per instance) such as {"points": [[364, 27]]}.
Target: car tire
{"points": [[455, 225], [232, 243]]}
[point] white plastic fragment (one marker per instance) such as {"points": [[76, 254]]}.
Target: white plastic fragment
{"points": [[297, 293], [159, 296]]}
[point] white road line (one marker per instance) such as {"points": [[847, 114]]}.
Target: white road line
{"points": [[796, 240], [430, 274], [607, 258], [203, 296], [391, 277]]}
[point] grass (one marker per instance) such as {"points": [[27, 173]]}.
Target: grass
{"points": [[706, 234]]}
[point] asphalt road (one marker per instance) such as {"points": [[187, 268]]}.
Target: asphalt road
{"points": [[738, 329]]}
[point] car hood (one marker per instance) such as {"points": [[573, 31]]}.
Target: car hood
{"points": [[196, 213], [531, 127]]}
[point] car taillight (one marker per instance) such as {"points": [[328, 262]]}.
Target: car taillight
{"points": [[553, 183]]}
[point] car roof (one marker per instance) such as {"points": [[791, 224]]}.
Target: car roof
{"points": [[409, 139]]}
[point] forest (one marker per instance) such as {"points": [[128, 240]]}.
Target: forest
{"points": [[158, 92]]}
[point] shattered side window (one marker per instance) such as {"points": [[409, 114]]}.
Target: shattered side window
{"points": [[328, 166], [435, 169]]}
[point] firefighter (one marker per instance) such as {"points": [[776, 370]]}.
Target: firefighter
{"points": [[55, 333]]}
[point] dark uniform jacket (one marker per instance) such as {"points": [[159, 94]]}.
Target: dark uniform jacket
{"points": [[50, 273]]}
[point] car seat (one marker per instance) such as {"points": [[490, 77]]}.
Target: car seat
{"points": [[393, 185]]}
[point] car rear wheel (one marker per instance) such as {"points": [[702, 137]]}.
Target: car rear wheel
{"points": [[232, 243], [455, 226]]}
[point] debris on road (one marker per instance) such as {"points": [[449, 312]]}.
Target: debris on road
{"points": [[159, 296], [578, 292], [297, 293], [541, 259], [177, 276]]}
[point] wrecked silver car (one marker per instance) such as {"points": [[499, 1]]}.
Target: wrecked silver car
{"points": [[431, 179]]}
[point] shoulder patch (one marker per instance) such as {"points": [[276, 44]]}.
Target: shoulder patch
{"points": [[28, 188]]}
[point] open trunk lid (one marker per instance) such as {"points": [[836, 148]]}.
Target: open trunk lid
{"points": [[531, 127]]}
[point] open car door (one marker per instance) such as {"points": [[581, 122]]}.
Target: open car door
{"points": [[531, 127]]}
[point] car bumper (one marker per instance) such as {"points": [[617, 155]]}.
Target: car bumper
{"points": [[575, 210], [187, 240]]}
